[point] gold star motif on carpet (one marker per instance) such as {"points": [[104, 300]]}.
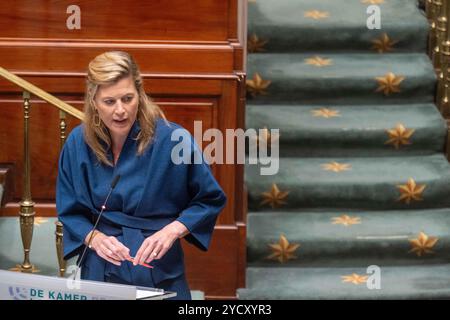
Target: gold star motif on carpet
{"points": [[336, 166], [389, 83], [283, 251], [422, 244], [346, 220], [318, 61], [257, 85], [39, 220], [399, 136], [410, 191], [255, 44], [372, 1], [354, 278], [275, 198], [383, 44], [325, 113], [316, 14]]}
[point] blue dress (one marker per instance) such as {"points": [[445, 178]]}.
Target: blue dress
{"points": [[152, 192]]}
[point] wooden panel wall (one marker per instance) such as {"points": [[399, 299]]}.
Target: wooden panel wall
{"points": [[191, 54]]}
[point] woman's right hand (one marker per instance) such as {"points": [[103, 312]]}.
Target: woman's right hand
{"points": [[109, 248]]}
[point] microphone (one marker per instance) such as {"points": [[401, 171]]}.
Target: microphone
{"points": [[113, 185], [114, 182]]}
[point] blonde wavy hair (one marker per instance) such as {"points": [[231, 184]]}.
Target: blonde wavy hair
{"points": [[108, 68]]}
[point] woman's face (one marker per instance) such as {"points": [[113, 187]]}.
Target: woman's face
{"points": [[117, 106]]}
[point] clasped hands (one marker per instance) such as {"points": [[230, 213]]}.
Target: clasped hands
{"points": [[153, 247]]}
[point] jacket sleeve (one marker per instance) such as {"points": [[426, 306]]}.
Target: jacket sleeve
{"points": [[207, 201], [72, 214]]}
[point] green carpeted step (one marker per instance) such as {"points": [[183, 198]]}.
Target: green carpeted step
{"points": [[43, 247], [397, 282], [347, 236], [363, 183], [349, 78], [338, 25], [357, 130]]}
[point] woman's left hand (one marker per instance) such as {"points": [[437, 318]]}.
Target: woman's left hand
{"points": [[156, 246]]}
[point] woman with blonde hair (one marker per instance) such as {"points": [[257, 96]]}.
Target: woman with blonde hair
{"points": [[157, 200]]}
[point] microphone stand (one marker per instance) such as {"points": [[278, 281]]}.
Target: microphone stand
{"points": [[88, 245]]}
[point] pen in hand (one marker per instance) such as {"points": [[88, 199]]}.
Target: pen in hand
{"points": [[131, 259]]}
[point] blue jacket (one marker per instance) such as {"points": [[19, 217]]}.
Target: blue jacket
{"points": [[151, 193]]}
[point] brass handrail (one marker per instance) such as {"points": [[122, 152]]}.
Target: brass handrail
{"points": [[430, 13], [26, 212], [438, 14], [31, 88]]}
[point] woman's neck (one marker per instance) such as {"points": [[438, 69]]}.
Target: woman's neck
{"points": [[117, 145]]}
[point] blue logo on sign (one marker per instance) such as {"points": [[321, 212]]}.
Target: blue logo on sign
{"points": [[18, 293]]}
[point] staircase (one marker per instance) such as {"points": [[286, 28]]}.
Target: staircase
{"points": [[363, 178]]}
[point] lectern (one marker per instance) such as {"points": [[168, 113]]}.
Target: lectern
{"points": [[23, 286]]}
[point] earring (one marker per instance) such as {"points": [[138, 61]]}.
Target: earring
{"points": [[96, 119]]}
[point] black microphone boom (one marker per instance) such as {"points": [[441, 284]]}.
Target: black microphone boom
{"points": [[114, 182], [88, 245]]}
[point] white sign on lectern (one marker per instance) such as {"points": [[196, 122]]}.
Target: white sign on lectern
{"points": [[23, 286]]}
